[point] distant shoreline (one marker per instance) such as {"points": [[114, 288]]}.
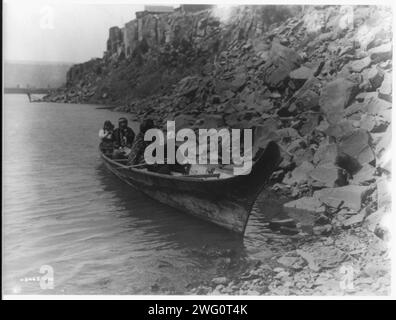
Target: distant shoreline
{"points": [[26, 90]]}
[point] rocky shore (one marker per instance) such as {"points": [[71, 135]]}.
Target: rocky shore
{"points": [[347, 262], [317, 80]]}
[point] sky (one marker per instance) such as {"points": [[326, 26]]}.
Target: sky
{"points": [[69, 31], [74, 31], [60, 31]]}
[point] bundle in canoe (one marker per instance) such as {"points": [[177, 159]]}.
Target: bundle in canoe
{"points": [[224, 201]]}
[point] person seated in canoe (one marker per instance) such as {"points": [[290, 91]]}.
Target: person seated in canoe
{"points": [[123, 139], [136, 156], [106, 137]]}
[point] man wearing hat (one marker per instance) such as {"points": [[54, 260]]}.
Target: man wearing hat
{"points": [[123, 138]]}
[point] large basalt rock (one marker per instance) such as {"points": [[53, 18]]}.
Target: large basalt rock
{"points": [[328, 175], [357, 146], [382, 146], [377, 222], [340, 129], [264, 133], [355, 109], [382, 52], [385, 91], [238, 83], [188, 86], [376, 106], [355, 219], [307, 97], [326, 153], [373, 115], [375, 76], [309, 124], [373, 123], [335, 96], [360, 65], [319, 256], [299, 175], [299, 76], [308, 204], [364, 175], [350, 196], [286, 135], [384, 194], [331, 154], [281, 61]]}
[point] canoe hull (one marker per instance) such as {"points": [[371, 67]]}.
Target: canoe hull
{"points": [[225, 202]]}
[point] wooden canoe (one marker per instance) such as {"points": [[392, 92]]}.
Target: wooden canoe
{"points": [[226, 202]]}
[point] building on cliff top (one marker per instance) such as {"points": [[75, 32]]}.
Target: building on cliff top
{"points": [[158, 9], [185, 8], [154, 10]]}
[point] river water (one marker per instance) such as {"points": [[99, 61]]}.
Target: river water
{"points": [[63, 209]]}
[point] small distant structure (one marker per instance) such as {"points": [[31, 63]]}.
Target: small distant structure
{"points": [[158, 9], [190, 8], [154, 10]]}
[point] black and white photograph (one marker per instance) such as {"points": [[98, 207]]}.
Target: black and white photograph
{"points": [[198, 149]]}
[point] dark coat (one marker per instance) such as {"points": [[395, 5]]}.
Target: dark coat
{"points": [[137, 152], [123, 137]]}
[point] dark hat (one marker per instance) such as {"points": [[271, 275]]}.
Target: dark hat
{"points": [[122, 119]]}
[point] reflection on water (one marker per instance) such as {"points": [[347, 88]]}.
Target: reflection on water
{"points": [[64, 209]]}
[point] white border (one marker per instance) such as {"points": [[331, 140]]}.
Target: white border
{"points": [[227, 297]]}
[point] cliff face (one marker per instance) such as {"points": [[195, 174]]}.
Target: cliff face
{"points": [[230, 54], [151, 53]]}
